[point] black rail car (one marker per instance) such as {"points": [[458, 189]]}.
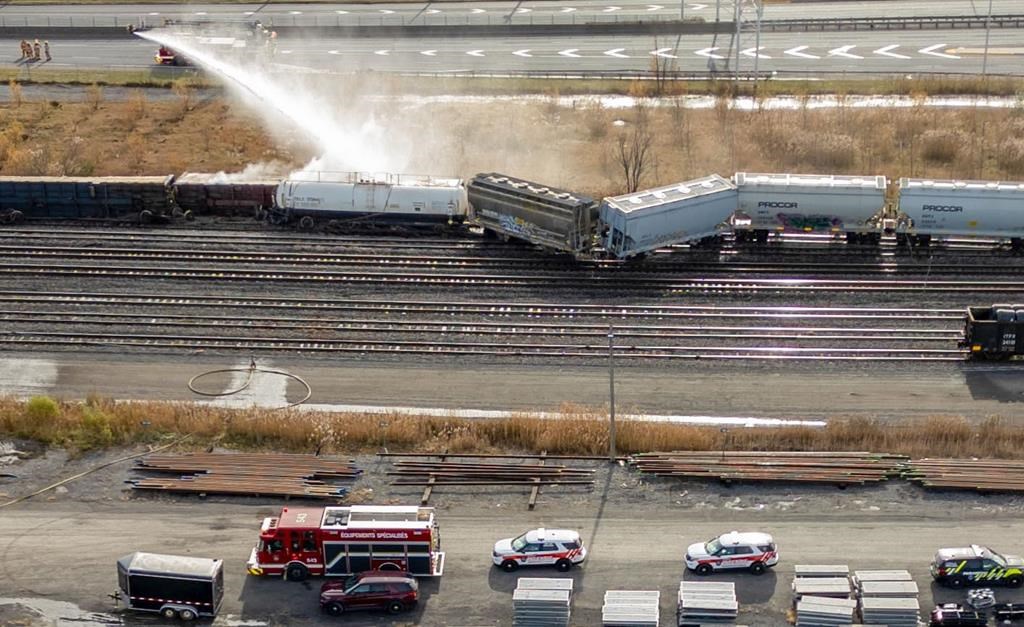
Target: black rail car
{"points": [[995, 332], [174, 586], [142, 198], [514, 208], [210, 194]]}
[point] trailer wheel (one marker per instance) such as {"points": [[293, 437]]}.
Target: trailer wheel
{"points": [[306, 223], [509, 566], [187, 615], [168, 613], [335, 609], [563, 565], [296, 572]]}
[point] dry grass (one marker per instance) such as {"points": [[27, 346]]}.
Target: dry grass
{"points": [[100, 423]]}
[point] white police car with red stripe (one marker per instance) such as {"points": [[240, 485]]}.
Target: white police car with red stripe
{"points": [[753, 551], [561, 548]]}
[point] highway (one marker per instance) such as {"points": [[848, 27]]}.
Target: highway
{"points": [[474, 12], [869, 52]]}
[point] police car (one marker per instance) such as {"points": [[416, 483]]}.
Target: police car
{"points": [[753, 551], [561, 548], [976, 565]]}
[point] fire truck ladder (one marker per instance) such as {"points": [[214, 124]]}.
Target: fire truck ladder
{"points": [[744, 50]]}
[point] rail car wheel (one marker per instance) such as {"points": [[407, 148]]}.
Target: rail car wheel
{"points": [[187, 615], [509, 566], [563, 565], [168, 612], [761, 236], [703, 569], [146, 216], [306, 223], [296, 572], [189, 216], [15, 217]]}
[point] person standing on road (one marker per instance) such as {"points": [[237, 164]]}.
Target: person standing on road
{"points": [[46, 49], [38, 51], [23, 55]]}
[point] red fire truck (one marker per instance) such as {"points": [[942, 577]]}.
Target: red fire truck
{"points": [[335, 541]]}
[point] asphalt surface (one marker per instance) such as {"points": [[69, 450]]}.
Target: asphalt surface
{"points": [[65, 551], [957, 51], [789, 392], [474, 12]]}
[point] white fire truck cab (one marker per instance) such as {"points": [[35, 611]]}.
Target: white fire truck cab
{"points": [[336, 541]]}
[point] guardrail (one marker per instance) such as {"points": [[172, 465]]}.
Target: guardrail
{"points": [[893, 23]]}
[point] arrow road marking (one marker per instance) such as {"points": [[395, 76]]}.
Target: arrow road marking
{"points": [[429, 53], [382, 53], [478, 11], [523, 10], [698, 7], [931, 50], [333, 52], [568, 10], [887, 52], [432, 11], [523, 53], [661, 52], [475, 53], [799, 52], [617, 53], [340, 12], [571, 52], [709, 52], [843, 51], [755, 52], [610, 9], [386, 11], [654, 7]]}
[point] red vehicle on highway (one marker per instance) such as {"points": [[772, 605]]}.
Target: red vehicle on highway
{"points": [[372, 590]]}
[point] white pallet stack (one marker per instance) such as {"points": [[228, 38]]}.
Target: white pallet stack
{"points": [[887, 597], [812, 611], [834, 587], [542, 602], [707, 603], [631, 608]]}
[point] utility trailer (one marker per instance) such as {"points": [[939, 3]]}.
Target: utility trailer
{"points": [[687, 212], [172, 585], [144, 199], [809, 203], [214, 194], [514, 208], [952, 208], [995, 332]]}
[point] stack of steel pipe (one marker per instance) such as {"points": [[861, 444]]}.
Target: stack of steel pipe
{"points": [[491, 473], [984, 475], [266, 474], [804, 467]]}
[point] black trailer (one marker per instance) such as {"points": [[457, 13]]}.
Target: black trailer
{"points": [[548, 217], [174, 586], [995, 332]]}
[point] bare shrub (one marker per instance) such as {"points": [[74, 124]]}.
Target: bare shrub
{"points": [[94, 96], [183, 89], [1010, 155], [633, 151], [135, 151], [136, 105], [941, 145], [14, 89], [597, 122]]}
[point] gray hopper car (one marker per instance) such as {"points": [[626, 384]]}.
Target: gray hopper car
{"points": [[518, 209], [213, 194], [961, 208], [142, 198], [995, 332], [686, 212]]}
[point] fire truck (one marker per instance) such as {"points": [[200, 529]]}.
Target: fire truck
{"points": [[335, 541], [167, 56]]}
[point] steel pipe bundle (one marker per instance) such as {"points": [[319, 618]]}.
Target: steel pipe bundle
{"points": [[985, 475], [271, 474], [857, 468]]}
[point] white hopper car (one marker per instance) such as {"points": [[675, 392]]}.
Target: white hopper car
{"points": [[687, 212], [947, 208], [809, 203], [402, 199]]}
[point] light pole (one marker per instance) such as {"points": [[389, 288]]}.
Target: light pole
{"points": [[988, 30], [611, 394]]}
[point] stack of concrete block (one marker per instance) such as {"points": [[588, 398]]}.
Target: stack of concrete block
{"points": [[707, 603], [887, 597], [631, 608], [542, 602], [812, 611]]}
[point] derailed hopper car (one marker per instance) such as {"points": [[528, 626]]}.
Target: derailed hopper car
{"points": [[172, 585], [142, 198], [809, 203], [681, 213], [961, 208], [995, 332], [518, 209], [215, 194]]}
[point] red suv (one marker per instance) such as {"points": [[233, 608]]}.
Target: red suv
{"points": [[372, 590]]}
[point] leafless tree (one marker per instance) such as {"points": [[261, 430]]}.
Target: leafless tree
{"points": [[633, 151]]}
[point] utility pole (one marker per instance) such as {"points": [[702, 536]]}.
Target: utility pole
{"points": [[611, 394]]}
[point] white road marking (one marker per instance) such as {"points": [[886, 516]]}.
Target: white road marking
{"points": [[697, 7], [709, 52], [475, 53], [382, 53], [568, 9], [295, 12], [478, 11], [340, 12], [433, 11], [755, 52], [154, 13], [662, 52], [843, 51], [429, 53], [887, 51], [571, 52], [617, 53], [523, 53], [654, 7], [931, 50], [386, 11], [610, 9], [799, 52], [333, 52], [286, 52], [200, 12], [523, 10]]}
